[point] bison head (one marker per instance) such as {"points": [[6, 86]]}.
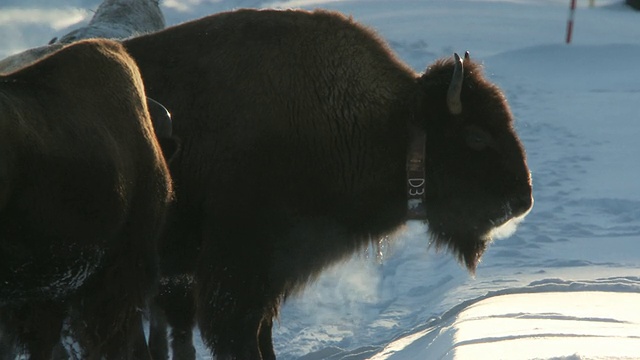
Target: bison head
{"points": [[476, 174]]}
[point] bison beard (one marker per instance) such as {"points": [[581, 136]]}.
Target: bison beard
{"points": [[295, 128]]}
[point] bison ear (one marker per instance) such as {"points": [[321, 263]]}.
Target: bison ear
{"points": [[455, 88]]}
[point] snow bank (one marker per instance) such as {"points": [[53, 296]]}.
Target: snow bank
{"points": [[551, 319]]}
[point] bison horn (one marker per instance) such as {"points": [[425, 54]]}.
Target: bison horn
{"points": [[455, 88]]}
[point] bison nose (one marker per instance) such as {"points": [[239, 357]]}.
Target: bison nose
{"points": [[522, 204]]}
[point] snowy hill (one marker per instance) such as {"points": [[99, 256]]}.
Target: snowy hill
{"points": [[567, 284]]}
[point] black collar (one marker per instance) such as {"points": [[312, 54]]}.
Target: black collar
{"points": [[416, 173]]}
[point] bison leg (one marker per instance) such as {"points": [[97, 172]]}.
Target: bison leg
{"points": [[182, 344], [107, 320], [8, 349], [36, 327], [239, 340], [60, 353], [116, 332], [232, 305], [174, 307], [181, 338], [178, 303], [158, 333], [265, 340]]}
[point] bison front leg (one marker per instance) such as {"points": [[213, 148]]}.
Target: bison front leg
{"points": [[266, 340], [158, 333], [108, 312], [174, 307], [110, 331], [181, 335], [35, 326], [8, 349], [182, 344], [233, 307]]}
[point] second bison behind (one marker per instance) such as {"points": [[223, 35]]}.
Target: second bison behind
{"points": [[296, 128]]}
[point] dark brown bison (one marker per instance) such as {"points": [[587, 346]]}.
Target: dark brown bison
{"points": [[303, 138], [84, 191]]}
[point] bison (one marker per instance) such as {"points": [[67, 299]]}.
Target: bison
{"points": [[114, 19], [119, 19], [84, 191], [303, 138]]}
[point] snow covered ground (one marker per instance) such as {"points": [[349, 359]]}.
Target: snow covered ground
{"points": [[567, 284]]}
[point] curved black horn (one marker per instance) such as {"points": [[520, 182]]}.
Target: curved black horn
{"points": [[455, 88], [161, 119]]}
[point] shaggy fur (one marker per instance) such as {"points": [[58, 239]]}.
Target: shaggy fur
{"points": [[83, 194], [295, 128]]}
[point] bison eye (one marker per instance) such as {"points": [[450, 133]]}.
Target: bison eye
{"points": [[477, 139]]}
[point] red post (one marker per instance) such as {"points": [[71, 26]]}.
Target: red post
{"points": [[572, 10]]}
